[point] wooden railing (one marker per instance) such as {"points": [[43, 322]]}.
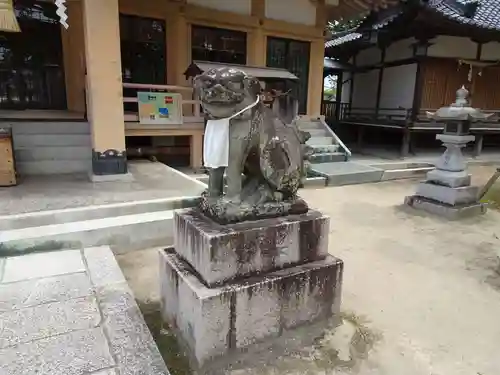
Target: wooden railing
{"points": [[332, 111], [191, 107]]}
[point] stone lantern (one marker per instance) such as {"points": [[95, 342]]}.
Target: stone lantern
{"points": [[447, 191]]}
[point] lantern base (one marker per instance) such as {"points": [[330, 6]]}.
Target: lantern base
{"points": [[445, 210]]}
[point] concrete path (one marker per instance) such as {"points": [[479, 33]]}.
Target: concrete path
{"points": [[151, 181], [71, 313]]}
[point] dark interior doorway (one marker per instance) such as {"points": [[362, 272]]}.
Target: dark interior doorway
{"points": [[31, 62]]}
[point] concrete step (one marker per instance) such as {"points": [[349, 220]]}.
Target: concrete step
{"points": [[303, 125], [328, 157], [69, 215], [318, 132], [320, 141], [347, 173], [47, 127], [51, 140], [53, 153], [325, 149], [399, 174], [53, 167], [127, 232]]}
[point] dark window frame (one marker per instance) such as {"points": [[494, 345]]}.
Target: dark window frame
{"points": [[207, 44], [143, 46], [31, 62], [286, 54]]}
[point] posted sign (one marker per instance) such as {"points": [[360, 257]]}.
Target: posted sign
{"points": [[159, 108]]}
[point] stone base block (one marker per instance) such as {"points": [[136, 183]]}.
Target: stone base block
{"points": [[215, 324], [450, 179], [445, 210], [448, 195], [219, 253]]}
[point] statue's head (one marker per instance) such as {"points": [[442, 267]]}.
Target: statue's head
{"points": [[226, 91]]}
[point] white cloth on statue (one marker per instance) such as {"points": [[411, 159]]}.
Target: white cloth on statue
{"points": [[216, 140]]}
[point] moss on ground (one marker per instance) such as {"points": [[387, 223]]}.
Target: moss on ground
{"points": [[170, 350], [493, 196]]}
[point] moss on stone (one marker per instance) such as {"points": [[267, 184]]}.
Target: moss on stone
{"points": [[170, 350]]}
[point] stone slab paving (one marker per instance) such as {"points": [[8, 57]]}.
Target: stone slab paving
{"points": [[71, 312]]}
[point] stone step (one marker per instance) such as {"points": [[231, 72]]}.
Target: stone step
{"points": [[303, 125], [35, 154], [53, 167], [347, 173], [328, 157], [127, 232], [325, 149], [318, 132], [320, 141], [69, 215], [399, 174]]}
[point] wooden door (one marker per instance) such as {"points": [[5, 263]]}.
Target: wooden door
{"points": [[441, 80], [486, 94]]}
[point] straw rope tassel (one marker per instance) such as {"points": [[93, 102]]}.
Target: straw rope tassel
{"points": [[8, 20]]}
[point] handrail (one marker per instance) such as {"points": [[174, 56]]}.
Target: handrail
{"points": [[147, 86]]}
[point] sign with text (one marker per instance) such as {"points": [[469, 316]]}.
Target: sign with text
{"points": [[159, 108]]}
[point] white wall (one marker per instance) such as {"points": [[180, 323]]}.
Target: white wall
{"points": [[369, 56], [398, 86], [490, 51], [346, 88], [295, 11], [453, 47], [233, 6], [400, 50], [365, 89]]}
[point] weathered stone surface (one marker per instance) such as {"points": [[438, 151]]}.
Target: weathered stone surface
{"points": [[21, 326], [212, 322], [102, 265], [110, 371], [445, 210], [29, 293], [221, 253], [450, 179], [35, 266], [130, 341], [75, 353], [445, 194]]}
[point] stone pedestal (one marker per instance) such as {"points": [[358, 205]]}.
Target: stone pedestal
{"points": [[447, 191], [225, 288]]}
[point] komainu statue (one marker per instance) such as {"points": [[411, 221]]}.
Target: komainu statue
{"points": [[262, 157]]}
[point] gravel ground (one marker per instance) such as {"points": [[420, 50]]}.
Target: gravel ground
{"points": [[420, 295]]}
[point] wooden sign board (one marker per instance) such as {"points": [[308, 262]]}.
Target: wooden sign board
{"points": [[7, 167], [159, 108]]}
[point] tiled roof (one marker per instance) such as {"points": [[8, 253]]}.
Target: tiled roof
{"points": [[342, 39], [487, 14]]}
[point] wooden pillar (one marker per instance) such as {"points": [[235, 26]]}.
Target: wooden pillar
{"points": [[405, 144], [361, 133], [74, 58], [257, 40], [351, 91], [478, 145], [316, 64], [104, 87], [196, 150], [417, 93], [338, 95], [380, 81]]}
